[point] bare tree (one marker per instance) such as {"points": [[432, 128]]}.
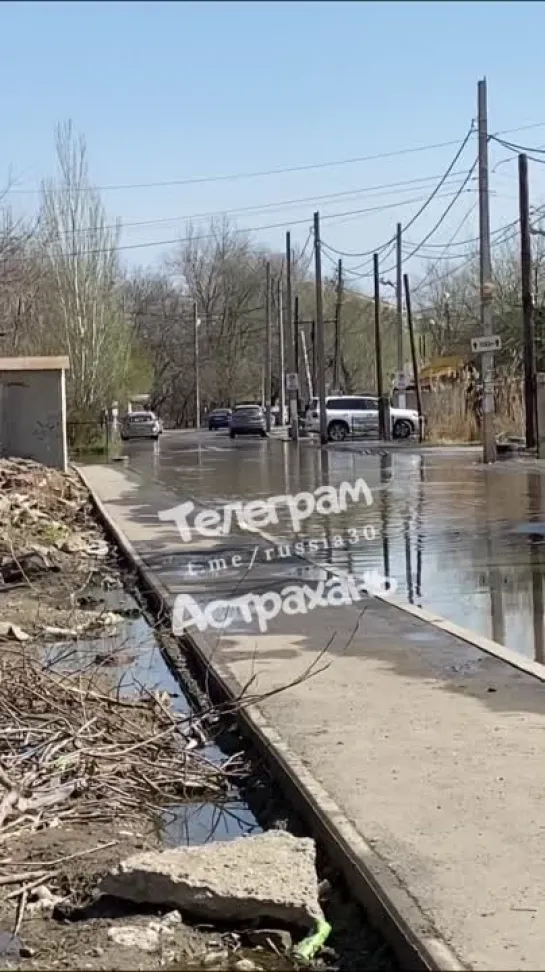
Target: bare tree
{"points": [[80, 292]]}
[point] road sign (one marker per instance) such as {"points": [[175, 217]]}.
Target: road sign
{"points": [[401, 381], [480, 345], [292, 382]]}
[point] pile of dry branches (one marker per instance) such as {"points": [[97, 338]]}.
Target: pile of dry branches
{"points": [[32, 492], [72, 750]]}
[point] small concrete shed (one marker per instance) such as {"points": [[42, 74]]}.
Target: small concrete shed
{"points": [[33, 409]]}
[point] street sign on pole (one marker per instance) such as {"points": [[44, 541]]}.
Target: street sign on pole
{"points": [[486, 343], [401, 381], [292, 381]]}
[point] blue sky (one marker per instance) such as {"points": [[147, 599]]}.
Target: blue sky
{"points": [[174, 91]]}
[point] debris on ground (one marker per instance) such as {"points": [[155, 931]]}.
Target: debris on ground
{"points": [[69, 747], [52, 547], [270, 875], [88, 769]]}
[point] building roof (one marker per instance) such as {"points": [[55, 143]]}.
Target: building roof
{"points": [[444, 367], [49, 363]]}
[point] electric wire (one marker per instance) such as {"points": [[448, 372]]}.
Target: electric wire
{"points": [[440, 221], [427, 202], [243, 229], [411, 150], [403, 185]]}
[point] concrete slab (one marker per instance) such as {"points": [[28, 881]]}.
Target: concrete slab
{"points": [[421, 752], [271, 875]]}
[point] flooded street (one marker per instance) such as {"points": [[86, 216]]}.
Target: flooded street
{"points": [[459, 539]]}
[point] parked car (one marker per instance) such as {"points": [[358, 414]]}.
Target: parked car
{"points": [[347, 414], [219, 419], [140, 425], [248, 420]]}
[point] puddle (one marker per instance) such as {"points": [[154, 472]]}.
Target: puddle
{"points": [[203, 823], [461, 540], [132, 659]]}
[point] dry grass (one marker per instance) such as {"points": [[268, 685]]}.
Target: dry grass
{"points": [[449, 420], [447, 417]]}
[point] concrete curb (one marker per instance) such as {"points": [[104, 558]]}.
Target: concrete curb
{"points": [[493, 648], [373, 884]]}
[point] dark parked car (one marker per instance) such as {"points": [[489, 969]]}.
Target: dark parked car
{"points": [[248, 420], [219, 419]]}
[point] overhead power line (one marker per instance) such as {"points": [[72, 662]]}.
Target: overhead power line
{"points": [[517, 148], [247, 229], [435, 227], [447, 245], [503, 235], [196, 180], [403, 186], [427, 202]]}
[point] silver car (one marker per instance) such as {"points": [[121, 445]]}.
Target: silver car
{"points": [[140, 425], [248, 420]]}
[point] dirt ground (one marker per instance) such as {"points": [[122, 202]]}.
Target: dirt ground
{"points": [[56, 575], [63, 587]]}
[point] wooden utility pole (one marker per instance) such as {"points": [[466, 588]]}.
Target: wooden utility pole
{"points": [[294, 418], [268, 355], [338, 311], [197, 366], [383, 410], [487, 367], [401, 402], [314, 356], [528, 324], [413, 353], [281, 347], [320, 336], [296, 332]]}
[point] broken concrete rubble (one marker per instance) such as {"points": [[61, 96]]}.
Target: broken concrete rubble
{"points": [[271, 875]]}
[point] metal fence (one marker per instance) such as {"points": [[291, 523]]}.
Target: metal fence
{"points": [[87, 436]]}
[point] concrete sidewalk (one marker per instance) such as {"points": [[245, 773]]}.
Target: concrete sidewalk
{"points": [[421, 752]]}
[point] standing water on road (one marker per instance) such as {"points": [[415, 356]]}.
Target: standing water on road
{"points": [[460, 539]]}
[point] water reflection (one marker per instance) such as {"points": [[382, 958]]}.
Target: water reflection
{"points": [[385, 478], [535, 541], [460, 539], [202, 823], [495, 579], [419, 529]]}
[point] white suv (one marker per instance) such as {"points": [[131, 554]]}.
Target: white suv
{"points": [[358, 414]]}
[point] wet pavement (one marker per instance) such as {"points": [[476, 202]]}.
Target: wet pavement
{"points": [[458, 538], [393, 731]]}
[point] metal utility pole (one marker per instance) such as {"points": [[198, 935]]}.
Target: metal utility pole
{"points": [[268, 356], [338, 309], [399, 315], [413, 353], [294, 418], [320, 337], [528, 324], [197, 366], [487, 369], [281, 346], [383, 409], [307, 366]]}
